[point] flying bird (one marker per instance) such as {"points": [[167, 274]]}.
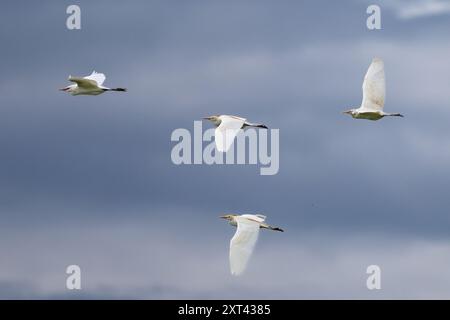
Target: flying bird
{"points": [[244, 240], [227, 128], [91, 85], [374, 93]]}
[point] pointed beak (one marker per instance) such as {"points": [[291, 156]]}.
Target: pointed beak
{"points": [[62, 89], [223, 217], [206, 118], [346, 112]]}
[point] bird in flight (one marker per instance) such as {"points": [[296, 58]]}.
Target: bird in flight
{"points": [[91, 85], [244, 240], [374, 93], [227, 128]]}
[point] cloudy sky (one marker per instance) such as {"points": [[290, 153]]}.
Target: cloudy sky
{"points": [[89, 180]]}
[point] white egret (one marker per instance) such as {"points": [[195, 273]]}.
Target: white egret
{"points": [[91, 85], [227, 128], [374, 93], [244, 240]]}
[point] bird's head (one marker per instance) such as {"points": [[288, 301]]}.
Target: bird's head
{"points": [[214, 119], [349, 112], [67, 89], [229, 217]]}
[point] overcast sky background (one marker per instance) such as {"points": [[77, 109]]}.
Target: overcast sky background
{"points": [[89, 180]]}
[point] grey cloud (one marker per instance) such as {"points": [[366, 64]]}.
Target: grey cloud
{"points": [[130, 261], [418, 8]]}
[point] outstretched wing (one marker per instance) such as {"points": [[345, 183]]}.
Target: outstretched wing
{"points": [[226, 132], [99, 78], [256, 217], [84, 83], [374, 87], [242, 244]]}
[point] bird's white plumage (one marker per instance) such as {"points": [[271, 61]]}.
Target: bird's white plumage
{"points": [[226, 132], [91, 82], [99, 78], [256, 217], [90, 85], [374, 87], [243, 242], [83, 83]]}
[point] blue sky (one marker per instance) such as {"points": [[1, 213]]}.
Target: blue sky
{"points": [[89, 180]]}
